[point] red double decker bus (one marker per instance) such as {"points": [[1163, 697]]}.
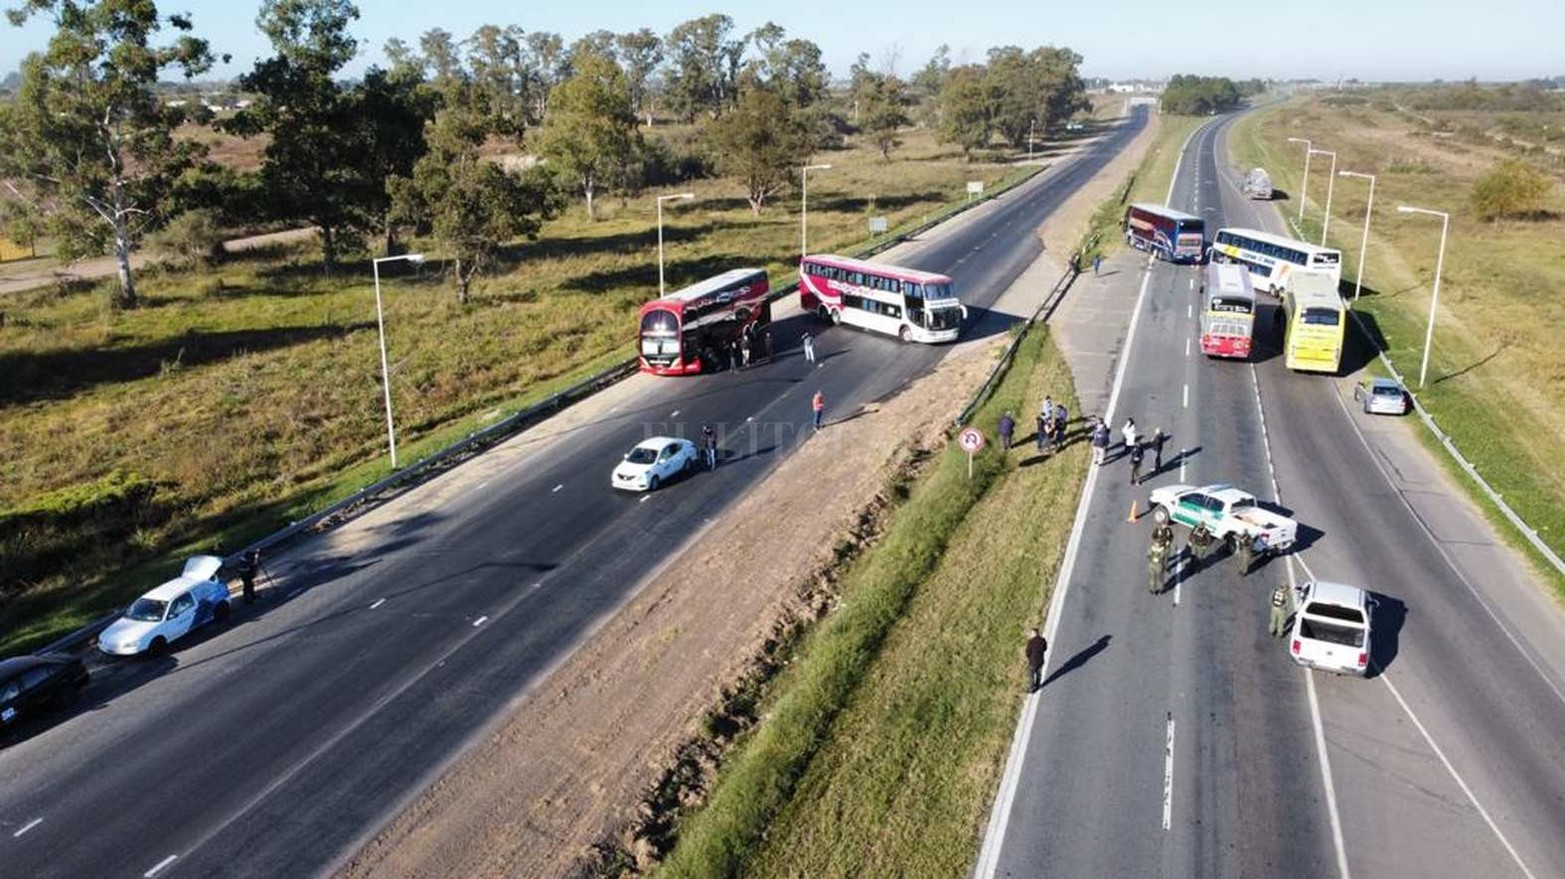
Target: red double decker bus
{"points": [[689, 330]]}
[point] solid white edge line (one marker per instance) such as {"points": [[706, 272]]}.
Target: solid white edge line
{"points": [[1000, 813], [1168, 774], [480, 621], [26, 827], [1471, 797], [160, 865]]}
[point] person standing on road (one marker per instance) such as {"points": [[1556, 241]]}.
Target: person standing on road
{"points": [[1196, 547], [249, 567], [1097, 264], [1157, 556], [1156, 442], [1129, 432], [1279, 616], [1007, 430], [709, 446], [1100, 443], [809, 348], [818, 406], [1137, 452], [744, 349], [1037, 651]]}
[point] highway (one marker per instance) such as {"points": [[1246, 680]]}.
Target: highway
{"points": [[275, 747], [1175, 738]]}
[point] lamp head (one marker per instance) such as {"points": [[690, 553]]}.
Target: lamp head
{"points": [[415, 258]]}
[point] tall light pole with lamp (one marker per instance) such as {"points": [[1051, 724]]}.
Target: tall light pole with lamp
{"points": [[1434, 299], [385, 369], [1364, 240], [684, 196], [804, 206], [1304, 185], [1331, 178]]}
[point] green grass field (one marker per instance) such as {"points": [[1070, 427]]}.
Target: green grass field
{"points": [[244, 396], [1496, 379], [882, 743]]}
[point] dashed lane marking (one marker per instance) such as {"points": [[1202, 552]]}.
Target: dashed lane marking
{"points": [[644, 498], [160, 865], [556, 488], [1187, 395], [26, 827], [1168, 774], [378, 603], [674, 414], [480, 621]]}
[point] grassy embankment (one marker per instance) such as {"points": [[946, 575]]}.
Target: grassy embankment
{"points": [[245, 396], [1496, 378], [882, 742], [1149, 182]]}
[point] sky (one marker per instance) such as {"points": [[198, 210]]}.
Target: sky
{"points": [[1372, 40]]}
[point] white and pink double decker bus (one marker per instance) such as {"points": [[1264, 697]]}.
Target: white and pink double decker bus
{"points": [[912, 305]]}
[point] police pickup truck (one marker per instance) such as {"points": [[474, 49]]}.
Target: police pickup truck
{"points": [[1230, 514]]}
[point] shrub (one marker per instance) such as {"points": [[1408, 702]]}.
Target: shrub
{"points": [[1512, 188], [191, 239]]}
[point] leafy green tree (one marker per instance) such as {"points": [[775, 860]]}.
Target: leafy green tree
{"points": [[472, 206], [589, 133], [545, 65], [87, 134], [442, 58], [966, 109], [389, 111], [640, 54], [1200, 95], [499, 71], [760, 142], [311, 167], [703, 69], [883, 112], [791, 67], [1512, 188], [1033, 91]]}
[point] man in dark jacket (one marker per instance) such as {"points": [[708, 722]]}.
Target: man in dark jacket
{"points": [[1037, 650], [1007, 430]]}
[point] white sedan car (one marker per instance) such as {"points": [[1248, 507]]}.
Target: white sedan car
{"points": [[169, 612], [653, 462]]}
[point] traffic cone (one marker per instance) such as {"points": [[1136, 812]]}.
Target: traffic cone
{"points": [[1134, 515]]}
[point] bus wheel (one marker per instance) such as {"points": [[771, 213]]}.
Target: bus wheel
{"points": [[836, 317], [904, 334], [823, 313]]}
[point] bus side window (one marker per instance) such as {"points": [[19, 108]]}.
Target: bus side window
{"points": [[893, 311]]}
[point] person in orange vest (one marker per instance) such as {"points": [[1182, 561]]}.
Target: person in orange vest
{"points": [[818, 404]]}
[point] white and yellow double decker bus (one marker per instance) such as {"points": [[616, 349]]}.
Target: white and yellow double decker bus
{"points": [[1272, 258], [1316, 322]]}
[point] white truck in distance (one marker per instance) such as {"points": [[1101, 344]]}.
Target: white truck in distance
{"points": [[1230, 514]]}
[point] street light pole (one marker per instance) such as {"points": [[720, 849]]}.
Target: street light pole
{"points": [[804, 207], [1304, 185], [385, 369], [1030, 126], [1434, 299], [662, 198], [1331, 178], [1364, 240]]}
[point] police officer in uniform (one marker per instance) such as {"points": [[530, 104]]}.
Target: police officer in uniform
{"points": [[1157, 557], [1200, 542], [1246, 553], [1279, 618]]}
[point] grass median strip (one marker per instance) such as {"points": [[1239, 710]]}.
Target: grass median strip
{"points": [[880, 745]]}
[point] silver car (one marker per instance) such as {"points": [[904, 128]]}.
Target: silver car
{"points": [[1382, 396]]}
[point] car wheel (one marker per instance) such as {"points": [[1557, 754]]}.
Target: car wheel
{"points": [[158, 647], [652, 484], [1160, 515], [221, 612]]}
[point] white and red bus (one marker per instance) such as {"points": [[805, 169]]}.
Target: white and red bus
{"points": [[689, 330], [912, 305], [1227, 312], [1168, 234]]}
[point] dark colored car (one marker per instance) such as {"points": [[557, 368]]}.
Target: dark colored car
{"points": [[31, 684]]}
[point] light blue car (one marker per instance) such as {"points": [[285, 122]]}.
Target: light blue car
{"points": [[169, 612]]}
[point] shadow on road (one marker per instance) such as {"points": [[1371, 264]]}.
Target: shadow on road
{"points": [[1385, 627], [1079, 660]]}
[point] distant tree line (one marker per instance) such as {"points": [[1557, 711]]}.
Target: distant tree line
{"points": [[1528, 97], [1203, 95], [90, 158]]}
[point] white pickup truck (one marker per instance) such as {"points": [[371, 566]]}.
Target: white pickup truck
{"points": [[1227, 512]]}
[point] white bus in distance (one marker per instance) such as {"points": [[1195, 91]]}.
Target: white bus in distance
{"points": [[1272, 258], [912, 305]]}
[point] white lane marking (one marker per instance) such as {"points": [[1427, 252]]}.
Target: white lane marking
{"points": [[1471, 797], [26, 827], [674, 414], [1192, 283], [749, 418], [1179, 579], [1187, 395], [538, 585], [1190, 309], [556, 488], [1168, 774], [378, 603], [1010, 781], [480, 621], [1187, 346], [161, 864], [483, 485], [644, 498]]}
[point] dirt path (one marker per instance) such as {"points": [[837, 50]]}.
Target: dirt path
{"points": [[43, 271], [566, 771]]}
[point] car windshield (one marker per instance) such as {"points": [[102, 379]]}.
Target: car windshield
{"points": [[641, 455], [1384, 391], [146, 610]]}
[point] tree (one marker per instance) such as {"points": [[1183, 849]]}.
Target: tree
{"points": [[965, 109], [703, 69], [1512, 188], [311, 167], [544, 64], [472, 205], [88, 135], [792, 68], [1200, 95], [499, 73], [760, 142], [589, 132], [441, 58], [389, 110], [640, 53], [882, 113]]}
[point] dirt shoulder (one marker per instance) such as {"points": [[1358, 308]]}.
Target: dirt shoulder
{"points": [[566, 771]]}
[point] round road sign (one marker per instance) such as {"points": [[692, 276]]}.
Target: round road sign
{"points": [[970, 439]]}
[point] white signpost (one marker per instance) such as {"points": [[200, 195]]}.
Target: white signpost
{"points": [[974, 187], [877, 225], [972, 441]]}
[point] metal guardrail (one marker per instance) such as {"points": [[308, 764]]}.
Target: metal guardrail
{"points": [[1527, 531], [1041, 314], [383, 489]]}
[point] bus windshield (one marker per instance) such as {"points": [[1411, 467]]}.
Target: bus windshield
{"points": [[1324, 317], [945, 318], [660, 336], [1231, 305]]}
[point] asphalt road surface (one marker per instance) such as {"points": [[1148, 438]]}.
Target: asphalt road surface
{"points": [[1175, 738], [273, 748]]}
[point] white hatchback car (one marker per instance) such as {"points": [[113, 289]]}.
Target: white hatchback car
{"points": [[1382, 396], [169, 612], [1331, 628], [653, 462]]}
